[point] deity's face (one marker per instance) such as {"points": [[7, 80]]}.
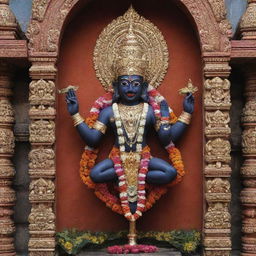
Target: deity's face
{"points": [[130, 88]]}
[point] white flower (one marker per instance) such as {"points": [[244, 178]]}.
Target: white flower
{"points": [[122, 148], [139, 138], [119, 131], [121, 139], [138, 147], [118, 123]]}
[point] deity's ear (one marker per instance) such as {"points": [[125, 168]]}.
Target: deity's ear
{"points": [[116, 93], [144, 93]]}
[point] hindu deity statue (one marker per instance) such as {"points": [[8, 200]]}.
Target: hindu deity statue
{"points": [[130, 59]]}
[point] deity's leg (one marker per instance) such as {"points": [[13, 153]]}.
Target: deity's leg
{"points": [[160, 172], [103, 172]]}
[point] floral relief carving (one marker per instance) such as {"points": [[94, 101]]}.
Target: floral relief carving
{"points": [[42, 132], [249, 141], [41, 190], [6, 16], [6, 168], [42, 112], [6, 141], [42, 92], [6, 112], [218, 216], [217, 93], [219, 242], [41, 218], [41, 243], [218, 150], [41, 158], [52, 40], [219, 9]]}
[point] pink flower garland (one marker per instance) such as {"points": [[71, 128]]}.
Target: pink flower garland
{"points": [[125, 249]]}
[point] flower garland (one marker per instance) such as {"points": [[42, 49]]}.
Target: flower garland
{"points": [[115, 198]]}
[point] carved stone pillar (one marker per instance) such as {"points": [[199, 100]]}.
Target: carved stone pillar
{"points": [[7, 194], [248, 21], [248, 170], [42, 157], [217, 219]]}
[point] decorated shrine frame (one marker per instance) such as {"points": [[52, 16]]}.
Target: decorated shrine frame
{"points": [[214, 32]]}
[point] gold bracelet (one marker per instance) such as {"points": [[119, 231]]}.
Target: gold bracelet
{"points": [[77, 119], [100, 127], [185, 118]]}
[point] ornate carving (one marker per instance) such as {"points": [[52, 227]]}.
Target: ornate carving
{"points": [[248, 22], [7, 113], [41, 243], [218, 216], [217, 124], [42, 112], [41, 158], [7, 19], [249, 141], [41, 190], [248, 169], [6, 168], [41, 218], [52, 40], [42, 92], [217, 93], [219, 9], [7, 195], [218, 185], [6, 141], [39, 9], [218, 150], [249, 112], [217, 242], [217, 170], [248, 196], [42, 253], [42, 132], [217, 252], [32, 31]]}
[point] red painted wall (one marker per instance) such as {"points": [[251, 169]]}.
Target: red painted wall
{"points": [[181, 207]]}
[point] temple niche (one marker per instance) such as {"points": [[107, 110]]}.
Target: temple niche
{"points": [[46, 46]]}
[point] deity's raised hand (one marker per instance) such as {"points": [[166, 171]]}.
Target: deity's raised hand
{"points": [[164, 108], [188, 103], [72, 102]]}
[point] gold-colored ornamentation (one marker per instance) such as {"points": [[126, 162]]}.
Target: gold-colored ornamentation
{"points": [[66, 89], [217, 216], [6, 141], [41, 158], [6, 112], [130, 117], [249, 112], [248, 196], [248, 169], [6, 168], [41, 190], [7, 195], [42, 132], [217, 252], [78, 119], [147, 37], [190, 88], [217, 93], [7, 18], [217, 169], [131, 163], [185, 118], [41, 218], [42, 92], [7, 226], [42, 253], [218, 150], [132, 233], [217, 124], [99, 126], [249, 141]]}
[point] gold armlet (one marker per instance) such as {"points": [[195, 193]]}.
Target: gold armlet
{"points": [[185, 118], [99, 126], [162, 122], [77, 119]]}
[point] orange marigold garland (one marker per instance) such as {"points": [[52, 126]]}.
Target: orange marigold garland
{"points": [[106, 192]]}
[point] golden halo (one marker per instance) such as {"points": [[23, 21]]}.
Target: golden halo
{"points": [[150, 38]]}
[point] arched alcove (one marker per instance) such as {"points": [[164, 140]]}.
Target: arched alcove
{"points": [[75, 66]]}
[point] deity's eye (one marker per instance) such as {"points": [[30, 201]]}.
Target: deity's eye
{"points": [[136, 83], [124, 83]]}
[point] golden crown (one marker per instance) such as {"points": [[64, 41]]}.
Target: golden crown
{"points": [[131, 57]]}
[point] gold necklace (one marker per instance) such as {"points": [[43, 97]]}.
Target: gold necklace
{"points": [[130, 117]]}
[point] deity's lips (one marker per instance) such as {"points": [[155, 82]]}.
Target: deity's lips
{"points": [[130, 94]]}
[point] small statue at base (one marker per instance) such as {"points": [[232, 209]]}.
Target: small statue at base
{"points": [[130, 109]]}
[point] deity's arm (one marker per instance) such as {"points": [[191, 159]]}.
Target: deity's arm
{"points": [[93, 136], [168, 132]]}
